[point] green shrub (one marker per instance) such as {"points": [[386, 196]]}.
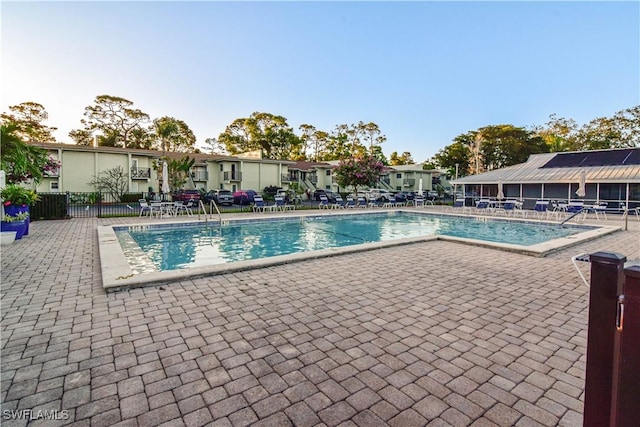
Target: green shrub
{"points": [[131, 197]]}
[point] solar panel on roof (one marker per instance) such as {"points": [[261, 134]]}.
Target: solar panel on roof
{"points": [[629, 156]]}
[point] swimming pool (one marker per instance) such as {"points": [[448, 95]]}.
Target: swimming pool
{"points": [[197, 248]]}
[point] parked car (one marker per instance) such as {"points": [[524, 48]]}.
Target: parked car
{"points": [[431, 195], [328, 193], [209, 196], [243, 197], [221, 197], [405, 196], [186, 195], [379, 195]]}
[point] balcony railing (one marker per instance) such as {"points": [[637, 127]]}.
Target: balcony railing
{"points": [[313, 179], [200, 176], [140, 173], [232, 176], [408, 182], [286, 178]]}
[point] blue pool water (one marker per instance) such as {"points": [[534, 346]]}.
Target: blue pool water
{"points": [[177, 246]]}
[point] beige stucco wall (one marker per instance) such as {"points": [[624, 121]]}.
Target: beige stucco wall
{"points": [[324, 180], [78, 168], [252, 176], [213, 168]]}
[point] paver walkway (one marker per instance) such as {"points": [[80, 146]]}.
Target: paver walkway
{"points": [[431, 334]]}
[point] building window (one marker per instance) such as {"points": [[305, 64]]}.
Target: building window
{"points": [[53, 186], [398, 188], [328, 172], [221, 167], [327, 187], [398, 175]]}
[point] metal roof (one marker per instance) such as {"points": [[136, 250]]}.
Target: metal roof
{"points": [[532, 172]]}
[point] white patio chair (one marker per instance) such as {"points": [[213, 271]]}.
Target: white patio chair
{"points": [[145, 208]]}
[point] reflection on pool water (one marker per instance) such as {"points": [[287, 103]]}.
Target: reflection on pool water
{"points": [[177, 246]]}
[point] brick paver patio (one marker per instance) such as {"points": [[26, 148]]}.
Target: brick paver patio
{"points": [[433, 334]]}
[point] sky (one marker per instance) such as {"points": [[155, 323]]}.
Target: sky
{"points": [[424, 72]]}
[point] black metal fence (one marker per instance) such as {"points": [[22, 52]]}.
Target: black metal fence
{"points": [[104, 205]]}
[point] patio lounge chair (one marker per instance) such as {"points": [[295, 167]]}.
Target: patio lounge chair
{"points": [[324, 202], [583, 257], [339, 204], [259, 205], [507, 208], [361, 203], [391, 203], [418, 201], [483, 206], [575, 207], [282, 205], [458, 205], [351, 204], [541, 207], [599, 209], [629, 211]]}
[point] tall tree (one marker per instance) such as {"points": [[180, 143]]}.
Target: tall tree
{"points": [[403, 159], [28, 118], [356, 133], [506, 145], [622, 130], [118, 123], [373, 134], [81, 136], [628, 122], [457, 153], [213, 146], [618, 131], [174, 135], [337, 147], [262, 131], [376, 151], [315, 141], [558, 133]]}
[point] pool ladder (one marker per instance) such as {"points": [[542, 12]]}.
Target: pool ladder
{"points": [[212, 206]]}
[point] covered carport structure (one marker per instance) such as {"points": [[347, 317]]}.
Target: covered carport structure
{"points": [[611, 176]]}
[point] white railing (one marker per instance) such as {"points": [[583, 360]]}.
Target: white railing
{"points": [[212, 206]]}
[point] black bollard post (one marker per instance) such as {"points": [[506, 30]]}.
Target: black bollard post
{"points": [[626, 380], [606, 285]]}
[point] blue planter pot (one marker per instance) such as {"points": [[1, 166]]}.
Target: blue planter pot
{"points": [[18, 226], [13, 210]]}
